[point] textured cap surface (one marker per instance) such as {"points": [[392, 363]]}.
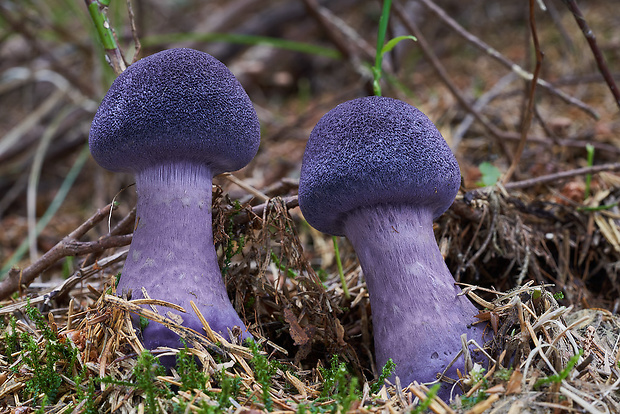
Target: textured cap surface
{"points": [[374, 150], [179, 105]]}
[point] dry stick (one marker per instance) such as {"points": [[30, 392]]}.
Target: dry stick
{"points": [[318, 12], [505, 61], [68, 246], [122, 227], [598, 56], [67, 284], [480, 103], [134, 32], [544, 179], [562, 175], [258, 211], [527, 119], [346, 40]]}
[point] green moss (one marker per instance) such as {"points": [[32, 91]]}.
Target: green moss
{"points": [[263, 372], [146, 372], [339, 385], [45, 361], [191, 376], [386, 372]]}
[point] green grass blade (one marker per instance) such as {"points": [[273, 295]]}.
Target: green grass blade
{"points": [[376, 70], [393, 42]]}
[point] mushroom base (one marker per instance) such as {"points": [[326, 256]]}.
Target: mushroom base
{"points": [[417, 315], [172, 256]]}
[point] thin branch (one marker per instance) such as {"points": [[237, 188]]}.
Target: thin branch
{"points": [[68, 246], [257, 211], [124, 226], [78, 277], [596, 51], [439, 12], [544, 179], [527, 119], [134, 32]]}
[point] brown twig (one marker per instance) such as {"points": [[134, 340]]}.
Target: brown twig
{"points": [[134, 32], [122, 227], [527, 118], [544, 179], [335, 35], [439, 12], [348, 42], [68, 246], [598, 55], [257, 211]]}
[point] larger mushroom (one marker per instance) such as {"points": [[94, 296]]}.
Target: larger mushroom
{"points": [[377, 171], [175, 119]]}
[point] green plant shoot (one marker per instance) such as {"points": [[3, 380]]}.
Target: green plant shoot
{"points": [[102, 25], [383, 48], [376, 70], [562, 375], [490, 174]]}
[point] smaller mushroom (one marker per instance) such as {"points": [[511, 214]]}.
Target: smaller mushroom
{"points": [[175, 119], [377, 171]]}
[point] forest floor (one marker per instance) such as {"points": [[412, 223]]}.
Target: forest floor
{"points": [[533, 237]]}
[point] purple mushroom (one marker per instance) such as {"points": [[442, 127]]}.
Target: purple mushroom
{"points": [[175, 119], [377, 171]]}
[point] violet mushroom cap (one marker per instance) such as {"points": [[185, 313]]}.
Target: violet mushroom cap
{"points": [[377, 171], [175, 119]]}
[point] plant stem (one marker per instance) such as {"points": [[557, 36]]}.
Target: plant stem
{"points": [[96, 9], [383, 23], [343, 281]]}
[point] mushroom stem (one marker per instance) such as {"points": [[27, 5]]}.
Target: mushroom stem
{"points": [[172, 249], [417, 316]]}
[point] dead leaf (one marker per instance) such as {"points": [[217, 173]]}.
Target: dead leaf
{"points": [[298, 334], [514, 383]]}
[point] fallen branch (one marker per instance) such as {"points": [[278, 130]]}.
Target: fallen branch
{"points": [[68, 246], [544, 179]]}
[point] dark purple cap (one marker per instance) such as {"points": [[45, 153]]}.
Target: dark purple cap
{"points": [[374, 150], [176, 106]]}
